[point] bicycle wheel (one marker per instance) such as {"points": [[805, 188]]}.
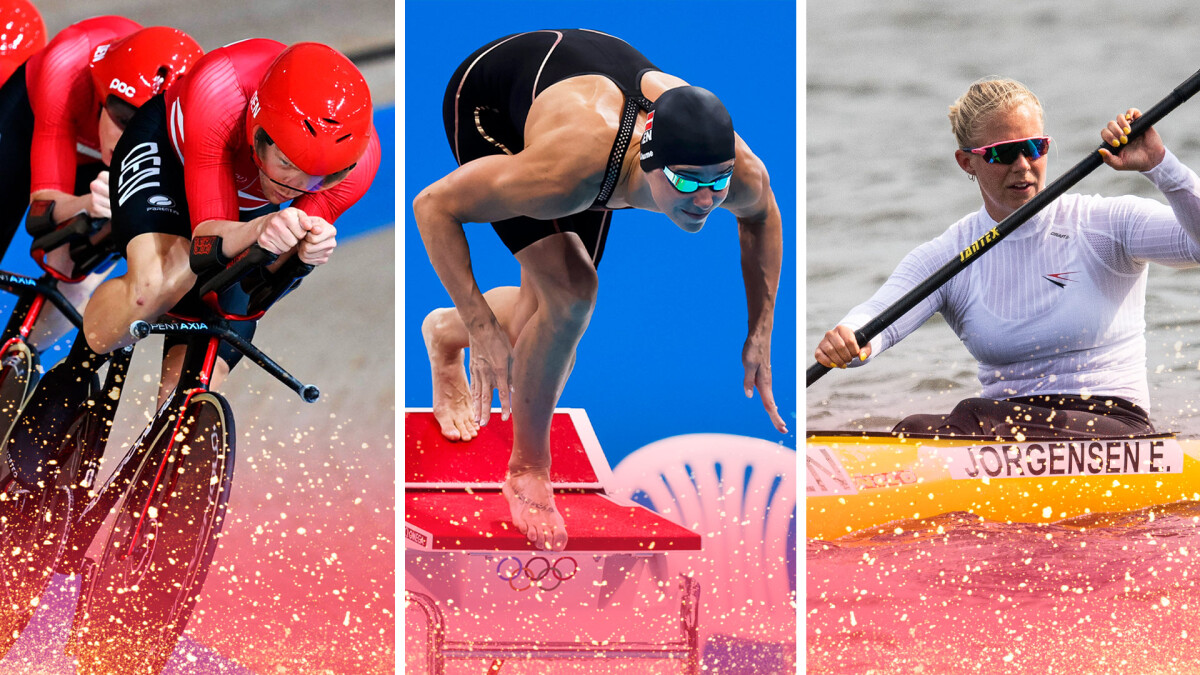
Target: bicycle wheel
{"points": [[137, 598], [18, 376], [35, 526]]}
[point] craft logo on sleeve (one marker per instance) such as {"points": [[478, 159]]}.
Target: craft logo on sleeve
{"points": [[825, 474], [1064, 458]]}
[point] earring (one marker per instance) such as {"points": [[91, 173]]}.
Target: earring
{"points": [[971, 177]]}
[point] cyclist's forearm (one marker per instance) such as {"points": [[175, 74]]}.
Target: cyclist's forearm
{"points": [[235, 236], [65, 205]]}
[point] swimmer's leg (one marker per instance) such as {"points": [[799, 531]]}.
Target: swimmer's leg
{"points": [[560, 272], [446, 337]]}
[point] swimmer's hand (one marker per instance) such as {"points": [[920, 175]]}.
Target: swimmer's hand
{"points": [[491, 368], [839, 347], [1140, 154], [756, 359]]}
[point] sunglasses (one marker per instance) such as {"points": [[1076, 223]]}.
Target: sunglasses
{"points": [[687, 185], [1006, 152]]}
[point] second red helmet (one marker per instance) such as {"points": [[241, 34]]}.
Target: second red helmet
{"points": [[138, 66]]}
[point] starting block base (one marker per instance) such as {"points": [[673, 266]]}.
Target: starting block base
{"points": [[462, 552]]}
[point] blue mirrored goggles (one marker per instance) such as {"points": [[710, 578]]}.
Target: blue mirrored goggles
{"points": [[1006, 152], [687, 185]]}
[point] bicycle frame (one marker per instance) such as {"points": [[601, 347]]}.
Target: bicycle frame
{"points": [[149, 482], [204, 338], [154, 486]]}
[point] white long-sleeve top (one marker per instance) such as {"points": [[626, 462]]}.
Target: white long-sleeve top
{"points": [[1057, 307]]}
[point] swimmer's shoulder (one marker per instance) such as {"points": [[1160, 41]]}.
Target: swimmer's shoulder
{"points": [[572, 125], [750, 189]]}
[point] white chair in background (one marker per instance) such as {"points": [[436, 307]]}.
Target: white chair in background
{"points": [[740, 494]]}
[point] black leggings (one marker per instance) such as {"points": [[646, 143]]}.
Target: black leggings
{"points": [[1034, 417]]}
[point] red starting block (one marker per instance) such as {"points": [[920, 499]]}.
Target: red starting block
{"points": [[452, 499], [462, 546]]}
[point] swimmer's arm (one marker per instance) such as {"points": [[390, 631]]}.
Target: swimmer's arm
{"points": [[760, 236], [535, 182]]}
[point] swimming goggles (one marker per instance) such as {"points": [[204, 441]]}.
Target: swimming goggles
{"points": [[687, 185], [1006, 152]]}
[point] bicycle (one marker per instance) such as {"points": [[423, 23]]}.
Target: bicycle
{"points": [[34, 512], [167, 497]]}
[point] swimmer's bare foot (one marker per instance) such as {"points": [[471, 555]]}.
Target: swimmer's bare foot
{"points": [[451, 393], [531, 503]]}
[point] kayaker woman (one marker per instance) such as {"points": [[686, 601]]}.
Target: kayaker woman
{"points": [[1055, 313]]}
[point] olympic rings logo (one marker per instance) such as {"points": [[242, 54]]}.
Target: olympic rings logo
{"points": [[537, 571]]}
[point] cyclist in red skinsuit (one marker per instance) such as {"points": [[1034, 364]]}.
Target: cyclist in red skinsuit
{"points": [[64, 103], [59, 125], [208, 134], [232, 187]]}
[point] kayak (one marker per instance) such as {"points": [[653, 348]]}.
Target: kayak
{"points": [[859, 481]]}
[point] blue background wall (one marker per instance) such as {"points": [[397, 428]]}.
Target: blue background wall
{"points": [[662, 356]]}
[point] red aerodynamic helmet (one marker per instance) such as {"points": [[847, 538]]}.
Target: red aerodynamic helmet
{"points": [[22, 32], [315, 106], [138, 66]]}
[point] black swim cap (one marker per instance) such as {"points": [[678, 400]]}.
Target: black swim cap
{"points": [[687, 125]]}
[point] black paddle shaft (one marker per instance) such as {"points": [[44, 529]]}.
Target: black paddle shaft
{"points": [[1005, 227]]}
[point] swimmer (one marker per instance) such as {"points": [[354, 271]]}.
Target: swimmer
{"points": [[552, 131]]}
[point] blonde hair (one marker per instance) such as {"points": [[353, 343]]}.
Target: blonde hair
{"points": [[984, 98]]}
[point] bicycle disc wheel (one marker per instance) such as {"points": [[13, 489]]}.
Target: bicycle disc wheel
{"points": [[136, 599], [35, 526], [18, 375]]}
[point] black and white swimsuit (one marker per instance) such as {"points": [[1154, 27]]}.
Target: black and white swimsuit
{"points": [[488, 99]]}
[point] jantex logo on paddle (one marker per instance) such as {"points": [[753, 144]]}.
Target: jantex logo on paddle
{"points": [[1062, 458], [979, 243]]}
